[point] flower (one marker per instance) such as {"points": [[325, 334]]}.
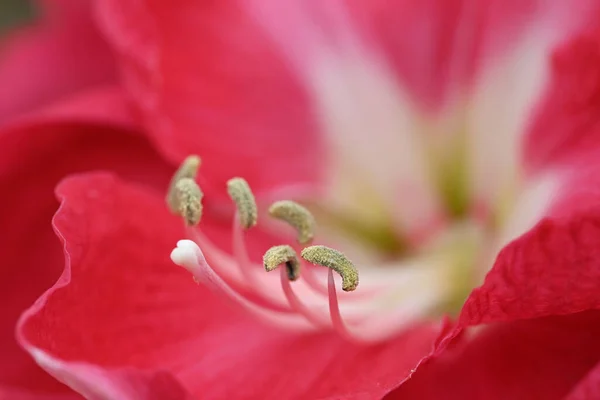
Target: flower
{"points": [[432, 143]]}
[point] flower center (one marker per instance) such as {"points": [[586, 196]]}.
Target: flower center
{"points": [[375, 234], [454, 244], [403, 276]]}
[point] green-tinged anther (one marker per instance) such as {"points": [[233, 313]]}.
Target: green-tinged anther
{"points": [[297, 216], [337, 261], [189, 200], [241, 194], [283, 254], [187, 169]]}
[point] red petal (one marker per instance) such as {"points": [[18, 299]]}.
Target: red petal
{"points": [[60, 55], [121, 303], [550, 270], [567, 124], [533, 359], [17, 394], [35, 155], [210, 82], [103, 105], [588, 388]]}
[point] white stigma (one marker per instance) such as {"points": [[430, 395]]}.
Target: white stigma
{"points": [[188, 255]]}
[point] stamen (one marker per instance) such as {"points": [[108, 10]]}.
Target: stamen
{"points": [[337, 261], [239, 271], [334, 309], [189, 200], [187, 169], [240, 252], [313, 316], [308, 274], [283, 254], [297, 216], [241, 194], [188, 255]]}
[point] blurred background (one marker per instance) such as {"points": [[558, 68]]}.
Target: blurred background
{"points": [[14, 13]]}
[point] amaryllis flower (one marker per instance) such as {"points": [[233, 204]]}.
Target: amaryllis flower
{"points": [[442, 156]]}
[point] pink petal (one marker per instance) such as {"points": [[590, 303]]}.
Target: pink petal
{"points": [[232, 80], [549, 270], [440, 47], [59, 55], [121, 304], [534, 359], [36, 154]]}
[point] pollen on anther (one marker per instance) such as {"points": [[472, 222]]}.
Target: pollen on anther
{"points": [[282, 254], [189, 200], [241, 194], [337, 261], [297, 216], [187, 169]]}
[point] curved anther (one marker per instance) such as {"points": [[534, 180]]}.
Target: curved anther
{"points": [[187, 169], [241, 194], [283, 254], [337, 261], [189, 200], [297, 216]]}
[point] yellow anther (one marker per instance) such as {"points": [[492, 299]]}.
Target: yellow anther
{"points": [[241, 194], [187, 169], [283, 254], [189, 200], [330, 258], [297, 216]]}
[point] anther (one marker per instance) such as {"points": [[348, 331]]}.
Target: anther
{"points": [[189, 200], [187, 169], [241, 194], [337, 261], [283, 254], [297, 216]]}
